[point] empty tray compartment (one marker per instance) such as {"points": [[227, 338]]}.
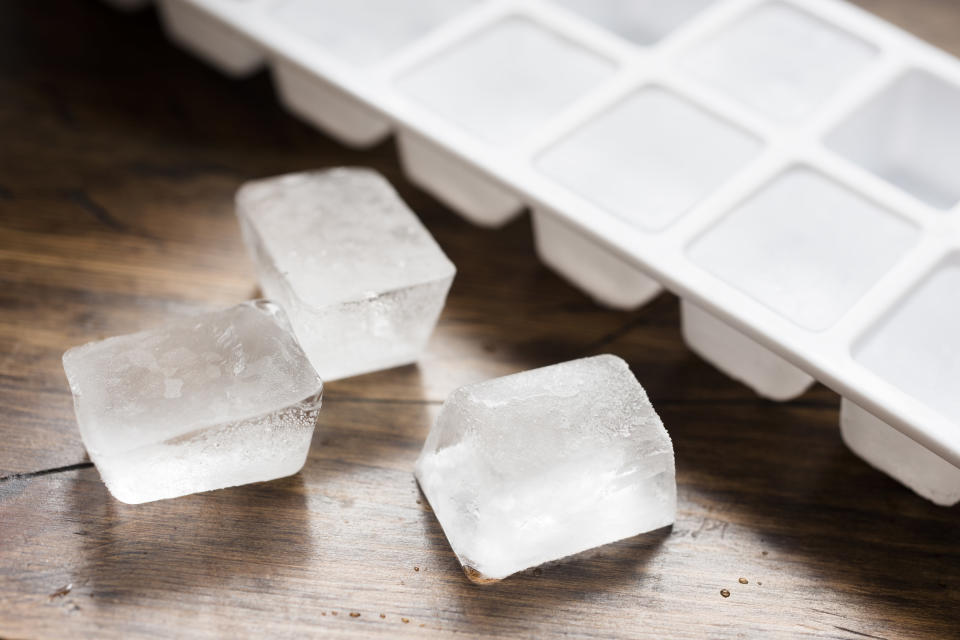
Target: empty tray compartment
{"points": [[741, 357], [327, 107], [779, 60], [358, 34], [649, 159], [498, 85], [915, 348], [600, 273], [893, 453], [362, 33], [805, 247], [209, 38], [909, 135], [643, 22], [505, 82], [455, 183]]}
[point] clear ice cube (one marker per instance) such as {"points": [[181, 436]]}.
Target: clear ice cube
{"points": [[361, 279], [201, 403], [543, 464]]}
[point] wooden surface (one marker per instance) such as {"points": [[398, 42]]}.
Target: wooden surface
{"points": [[119, 156]]}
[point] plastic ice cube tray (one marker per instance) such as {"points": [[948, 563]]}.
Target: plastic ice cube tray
{"points": [[791, 170]]}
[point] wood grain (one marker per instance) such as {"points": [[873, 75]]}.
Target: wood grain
{"points": [[119, 156]]}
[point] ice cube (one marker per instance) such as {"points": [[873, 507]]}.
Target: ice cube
{"points": [[543, 464], [205, 402], [361, 279]]}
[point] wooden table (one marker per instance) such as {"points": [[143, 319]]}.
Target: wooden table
{"points": [[119, 157]]}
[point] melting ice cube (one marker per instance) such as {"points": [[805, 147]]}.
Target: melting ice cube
{"points": [[361, 279], [202, 403], [543, 464]]}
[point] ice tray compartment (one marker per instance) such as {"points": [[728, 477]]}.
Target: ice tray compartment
{"points": [[649, 159], [643, 22], [359, 34], [365, 32], [209, 38], [327, 107], [505, 82], [916, 347], [600, 273], [888, 450], [804, 246], [740, 357], [496, 85], [455, 183], [909, 135], [779, 60]]}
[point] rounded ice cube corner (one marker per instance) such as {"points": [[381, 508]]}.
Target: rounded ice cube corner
{"points": [[545, 464], [200, 403]]}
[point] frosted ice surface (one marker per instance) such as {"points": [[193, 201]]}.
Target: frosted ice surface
{"points": [[361, 279], [547, 463], [202, 403]]}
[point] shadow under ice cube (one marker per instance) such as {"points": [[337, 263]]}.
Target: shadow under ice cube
{"points": [[543, 464], [205, 402], [361, 279]]}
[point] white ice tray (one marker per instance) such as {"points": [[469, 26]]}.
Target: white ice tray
{"points": [[790, 170]]}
